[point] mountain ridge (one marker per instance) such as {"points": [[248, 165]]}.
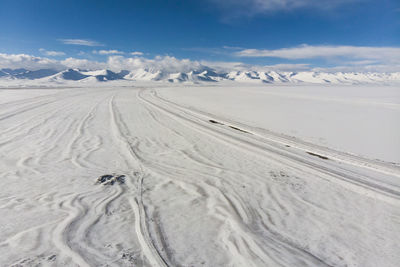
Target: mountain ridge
{"points": [[200, 76]]}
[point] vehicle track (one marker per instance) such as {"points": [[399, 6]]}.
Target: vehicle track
{"points": [[350, 179], [275, 138], [128, 144], [199, 190]]}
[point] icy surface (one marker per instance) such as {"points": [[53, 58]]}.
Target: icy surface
{"points": [[199, 176]]}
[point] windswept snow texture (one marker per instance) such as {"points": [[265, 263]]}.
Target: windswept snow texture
{"points": [[128, 176]]}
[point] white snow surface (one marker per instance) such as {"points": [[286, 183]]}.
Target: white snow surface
{"points": [[224, 175], [362, 120]]}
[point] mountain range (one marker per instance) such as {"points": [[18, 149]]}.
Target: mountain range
{"points": [[199, 76]]}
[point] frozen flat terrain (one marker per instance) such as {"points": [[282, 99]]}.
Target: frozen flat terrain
{"points": [[200, 176], [363, 120]]}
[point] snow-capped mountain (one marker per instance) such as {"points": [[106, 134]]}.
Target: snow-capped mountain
{"points": [[199, 76], [105, 75], [145, 75], [70, 74]]}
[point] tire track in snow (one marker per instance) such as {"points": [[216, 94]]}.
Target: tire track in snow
{"points": [[348, 179], [122, 133], [230, 208], [217, 186], [72, 235], [27, 127], [96, 212], [35, 105], [238, 217], [351, 180], [275, 138], [61, 234], [79, 143], [43, 131]]}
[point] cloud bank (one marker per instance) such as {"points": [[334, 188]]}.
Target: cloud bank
{"points": [[165, 63], [16, 61], [345, 59], [114, 62]]}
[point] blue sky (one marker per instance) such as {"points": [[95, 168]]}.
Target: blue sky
{"points": [[313, 33]]}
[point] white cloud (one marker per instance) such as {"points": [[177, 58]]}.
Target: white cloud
{"points": [[383, 54], [51, 53], [286, 67], [114, 62], [227, 47], [75, 63], [238, 66], [226, 66], [166, 63], [15, 61], [362, 62], [237, 8], [136, 53], [361, 68], [108, 52], [82, 42]]}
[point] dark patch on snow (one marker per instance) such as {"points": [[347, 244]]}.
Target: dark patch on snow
{"points": [[316, 155], [285, 179], [39, 260], [238, 129], [216, 122], [52, 258], [110, 179]]}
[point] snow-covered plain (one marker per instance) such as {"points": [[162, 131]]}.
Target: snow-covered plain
{"points": [[363, 120], [200, 176]]}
